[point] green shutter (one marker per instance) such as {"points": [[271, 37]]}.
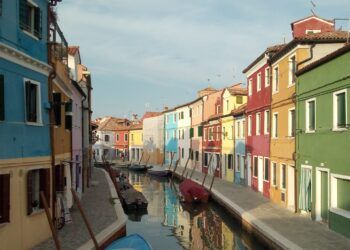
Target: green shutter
{"points": [[2, 98], [191, 132], [22, 14], [200, 131], [341, 110], [312, 115]]}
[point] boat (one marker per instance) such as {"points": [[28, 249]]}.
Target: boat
{"points": [[133, 241], [160, 172], [192, 192], [133, 199], [137, 167]]}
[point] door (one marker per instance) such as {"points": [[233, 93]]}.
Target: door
{"points": [[324, 196], [291, 187], [249, 170], [260, 174]]}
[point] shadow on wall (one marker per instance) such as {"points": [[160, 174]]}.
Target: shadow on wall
{"points": [[155, 154]]}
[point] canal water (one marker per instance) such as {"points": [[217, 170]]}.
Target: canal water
{"points": [[169, 224]]}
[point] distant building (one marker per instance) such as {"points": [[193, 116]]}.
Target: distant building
{"points": [[136, 143], [171, 136], [196, 133]]}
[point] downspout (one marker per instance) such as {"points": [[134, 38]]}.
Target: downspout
{"points": [[296, 137], [82, 145]]}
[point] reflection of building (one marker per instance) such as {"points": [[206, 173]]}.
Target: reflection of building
{"points": [[171, 206], [197, 239], [212, 231], [171, 140], [183, 230], [227, 238]]}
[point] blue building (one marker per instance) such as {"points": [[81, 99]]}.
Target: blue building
{"points": [[25, 163], [240, 148], [171, 140]]}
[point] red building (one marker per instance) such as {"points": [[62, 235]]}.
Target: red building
{"points": [[212, 140], [311, 24], [122, 139], [258, 112]]}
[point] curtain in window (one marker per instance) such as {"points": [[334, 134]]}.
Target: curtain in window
{"points": [[305, 190]]}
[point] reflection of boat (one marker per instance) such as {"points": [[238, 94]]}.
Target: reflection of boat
{"points": [[136, 215], [133, 241], [194, 210], [137, 167], [193, 192], [160, 172]]}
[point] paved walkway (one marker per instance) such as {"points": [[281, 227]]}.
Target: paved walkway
{"points": [[98, 209], [287, 229]]}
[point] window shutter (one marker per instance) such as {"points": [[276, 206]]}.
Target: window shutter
{"points": [[22, 13], [29, 193], [2, 98], [200, 131], [27, 91], [45, 185], [341, 110], [57, 108], [38, 22], [191, 132], [5, 198]]}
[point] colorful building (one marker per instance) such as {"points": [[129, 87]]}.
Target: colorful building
{"points": [[136, 142], [25, 162], [258, 75], [305, 48], [242, 173], [183, 128], [232, 97], [196, 133], [153, 138], [122, 140], [322, 140], [171, 139]]}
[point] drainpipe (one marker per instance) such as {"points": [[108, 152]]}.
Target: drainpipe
{"points": [[297, 121], [82, 144]]}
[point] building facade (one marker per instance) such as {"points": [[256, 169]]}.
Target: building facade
{"points": [[183, 128], [196, 133], [171, 138], [322, 140], [153, 138], [136, 143]]}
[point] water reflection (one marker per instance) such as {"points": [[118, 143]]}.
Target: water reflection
{"points": [[171, 224]]}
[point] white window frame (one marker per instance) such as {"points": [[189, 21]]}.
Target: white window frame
{"points": [[272, 175], [290, 74], [250, 87], [258, 82], [290, 121], [39, 121], [267, 76], [266, 118], [242, 129], [281, 177], [274, 83], [307, 121], [335, 113], [274, 126], [249, 125], [334, 195], [258, 123]]}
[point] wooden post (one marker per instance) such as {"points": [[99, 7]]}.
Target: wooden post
{"points": [[141, 157], [183, 172], [171, 161], [48, 215], [205, 176], [147, 160], [176, 164], [194, 167], [212, 180], [87, 224]]}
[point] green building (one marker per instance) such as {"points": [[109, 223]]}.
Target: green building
{"points": [[323, 140]]}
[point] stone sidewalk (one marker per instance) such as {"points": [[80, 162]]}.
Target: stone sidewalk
{"points": [[285, 228], [98, 209]]}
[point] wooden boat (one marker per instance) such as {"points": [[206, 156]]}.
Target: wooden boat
{"points": [[133, 199], [193, 192], [160, 172], [137, 167], [133, 241]]}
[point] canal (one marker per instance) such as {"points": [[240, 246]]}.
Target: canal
{"points": [[169, 224]]}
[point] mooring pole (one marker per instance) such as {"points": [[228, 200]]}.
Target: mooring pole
{"points": [[183, 172], [176, 164], [141, 157], [205, 176], [212, 180], [171, 161]]}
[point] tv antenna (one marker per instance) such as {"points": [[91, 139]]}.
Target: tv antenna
{"points": [[313, 7]]}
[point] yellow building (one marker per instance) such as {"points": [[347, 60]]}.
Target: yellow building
{"points": [[297, 54], [136, 142], [232, 98]]}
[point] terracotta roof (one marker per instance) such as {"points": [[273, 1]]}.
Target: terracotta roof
{"points": [[150, 114], [72, 50], [269, 50], [214, 117], [325, 59], [322, 37], [136, 126], [240, 110], [208, 88], [237, 89], [113, 124]]}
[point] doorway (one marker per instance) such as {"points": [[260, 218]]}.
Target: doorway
{"points": [[291, 188], [260, 174], [322, 194], [249, 170]]}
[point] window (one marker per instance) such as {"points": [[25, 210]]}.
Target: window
{"points": [[266, 169], [0, 7], [267, 77], [4, 198], [183, 134], [275, 125], [132, 136], [292, 70], [190, 153], [218, 133], [167, 119], [117, 137], [340, 192], [2, 94], [275, 80], [243, 129], [57, 109], [211, 134], [218, 109], [32, 101], [175, 117], [249, 125], [182, 115], [197, 155], [250, 82], [30, 18], [125, 137], [68, 115], [291, 122], [227, 105], [339, 110], [191, 132], [205, 134], [179, 132], [238, 164], [267, 122], [190, 112], [107, 138], [200, 131], [182, 153], [239, 99], [37, 180], [205, 159], [283, 176], [310, 115], [257, 124], [238, 129], [224, 133], [274, 174], [255, 166], [230, 161], [258, 83]]}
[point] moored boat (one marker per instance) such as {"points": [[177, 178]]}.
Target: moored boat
{"points": [[193, 192], [160, 172], [133, 241], [137, 167]]}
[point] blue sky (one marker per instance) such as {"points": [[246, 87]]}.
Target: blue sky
{"points": [[146, 54]]}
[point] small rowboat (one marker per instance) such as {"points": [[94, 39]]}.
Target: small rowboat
{"points": [[137, 167], [160, 172], [133, 241], [193, 192]]}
